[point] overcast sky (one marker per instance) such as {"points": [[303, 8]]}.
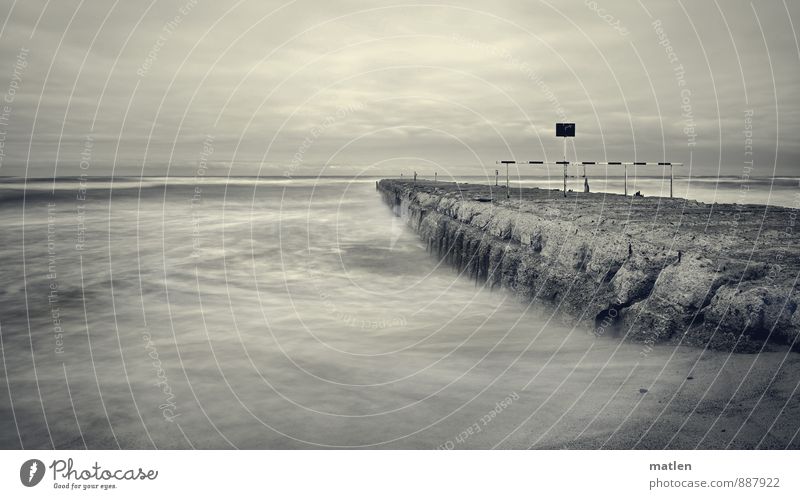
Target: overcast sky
{"points": [[350, 87]]}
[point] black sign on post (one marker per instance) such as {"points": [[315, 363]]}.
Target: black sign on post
{"points": [[565, 129]]}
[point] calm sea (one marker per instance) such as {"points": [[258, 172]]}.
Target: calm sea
{"points": [[279, 313]]}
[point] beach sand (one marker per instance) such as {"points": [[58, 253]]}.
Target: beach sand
{"points": [[586, 393]]}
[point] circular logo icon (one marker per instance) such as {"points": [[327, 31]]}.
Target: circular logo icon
{"points": [[31, 472]]}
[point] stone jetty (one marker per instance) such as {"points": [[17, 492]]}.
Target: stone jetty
{"points": [[650, 270]]}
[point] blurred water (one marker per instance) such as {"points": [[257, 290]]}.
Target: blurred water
{"points": [[279, 313]]}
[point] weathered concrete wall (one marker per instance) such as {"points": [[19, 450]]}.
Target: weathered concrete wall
{"points": [[612, 263]]}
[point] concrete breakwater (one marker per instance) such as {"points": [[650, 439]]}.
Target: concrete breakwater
{"points": [[651, 270]]}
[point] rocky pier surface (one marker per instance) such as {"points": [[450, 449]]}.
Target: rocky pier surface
{"points": [[651, 270]]}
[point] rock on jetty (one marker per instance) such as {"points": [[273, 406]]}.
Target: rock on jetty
{"points": [[652, 270]]}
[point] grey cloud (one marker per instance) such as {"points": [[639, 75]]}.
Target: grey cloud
{"points": [[494, 76]]}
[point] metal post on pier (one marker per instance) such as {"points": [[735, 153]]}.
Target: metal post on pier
{"points": [[505, 162], [670, 180], [667, 163], [565, 167], [626, 179], [508, 194], [565, 130]]}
